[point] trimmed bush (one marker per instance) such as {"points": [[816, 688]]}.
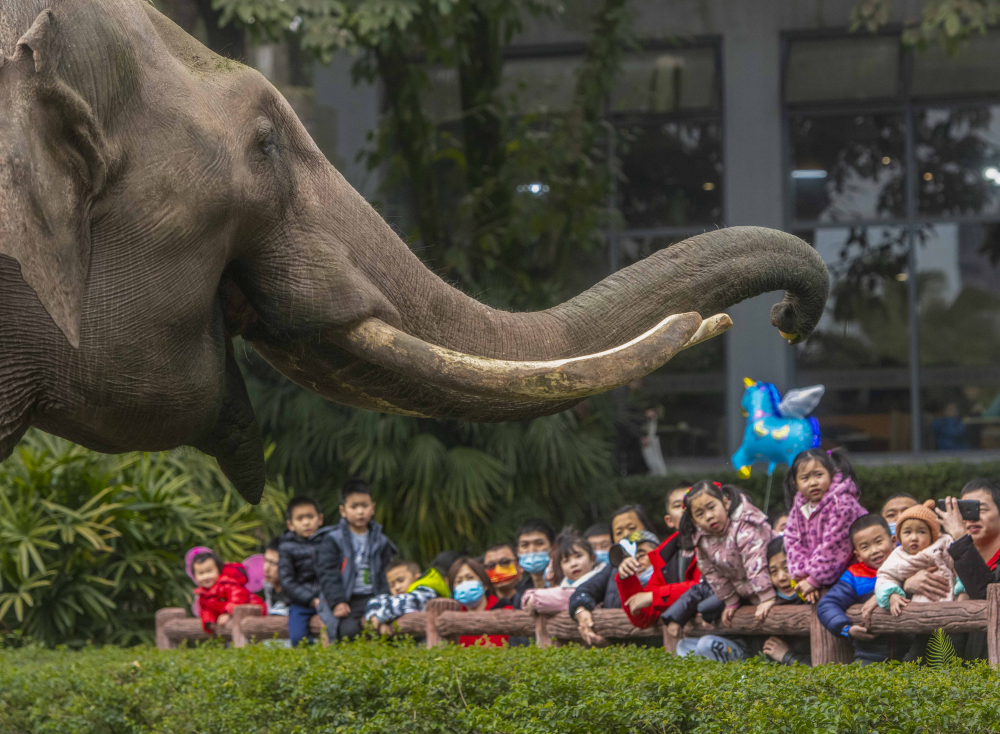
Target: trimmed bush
{"points": [[379, 687]]}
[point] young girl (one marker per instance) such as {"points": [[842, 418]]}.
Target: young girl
{"points": [[573, 562], [471, 587], [822, 495], [221, 587], [731, 537]]}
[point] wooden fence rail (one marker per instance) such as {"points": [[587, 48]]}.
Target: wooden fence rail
{"points": [[444, 621]]}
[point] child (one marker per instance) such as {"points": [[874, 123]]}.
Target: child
{"points": [[921, 546], [823, 497], [599, 537], [894, 506], [872, 544], [779, 523], [297, 564], [731, 537], [574, 562], [220, 588], [783, 650], [275, 598], [471, 587], [352, 561], [408, 592], [635, 576]]}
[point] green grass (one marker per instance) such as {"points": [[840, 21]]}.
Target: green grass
{"points": [[379, 687]]}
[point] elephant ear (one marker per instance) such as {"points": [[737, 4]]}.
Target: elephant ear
{"points": [[52, 166]]}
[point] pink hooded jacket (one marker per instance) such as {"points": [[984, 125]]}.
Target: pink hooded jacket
{"points": [[818, 547], [735, 563], [900, 565]]}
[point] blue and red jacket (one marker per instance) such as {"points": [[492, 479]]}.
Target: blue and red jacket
{"points": [[855, 586]]}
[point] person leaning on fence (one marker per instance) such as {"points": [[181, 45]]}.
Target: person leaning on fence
{"points": [[573, 563], [872, 545], [822, 493], [471, 587], [275, 598], [297, 565], [731, 537], [785, 650], [408, 592], [976, 550], [599, 537], [352, 561], [533, 543]]}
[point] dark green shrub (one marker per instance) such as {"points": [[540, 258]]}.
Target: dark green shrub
{"points": [[376, 687]]}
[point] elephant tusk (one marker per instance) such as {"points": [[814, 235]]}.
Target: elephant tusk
{"points": [[377, 342]]}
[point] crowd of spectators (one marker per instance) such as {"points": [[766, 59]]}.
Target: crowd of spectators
{"points": [[720, 553]]}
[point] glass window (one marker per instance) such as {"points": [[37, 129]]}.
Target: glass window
{"points": [[842, 69], [671, 172], [958, 156], [666, 81], [540, 86], [860, 349], [959, 296], [973, 69], [847, 167]]}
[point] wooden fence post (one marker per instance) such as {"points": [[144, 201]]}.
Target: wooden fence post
{"points": [[993, 623], [827, 647], [240, 613], [669, 641], [435, 607], [162, 617], [542, 637]]}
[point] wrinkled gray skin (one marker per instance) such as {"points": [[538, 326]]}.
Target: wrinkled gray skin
{"points": [[156, 200]]}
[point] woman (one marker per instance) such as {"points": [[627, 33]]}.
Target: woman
{"points": [[976, 550], [471, 586]]}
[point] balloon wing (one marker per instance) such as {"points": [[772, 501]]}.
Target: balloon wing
{"points": [[801, 402], [254, 566]]}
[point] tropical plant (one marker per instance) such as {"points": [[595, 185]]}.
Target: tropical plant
{"points": [[940, 650], [91, 545]]}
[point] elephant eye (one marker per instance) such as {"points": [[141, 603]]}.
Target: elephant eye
{"points": [[268, 145]]}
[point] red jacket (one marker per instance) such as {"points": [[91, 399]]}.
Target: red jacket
{"points": [[486, 640], [666, 584], [228, 591]]}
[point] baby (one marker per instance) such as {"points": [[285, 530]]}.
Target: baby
{"points": [[921, 546]]}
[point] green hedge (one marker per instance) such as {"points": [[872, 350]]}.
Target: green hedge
{"points": [[376, 687], [877, 483]]}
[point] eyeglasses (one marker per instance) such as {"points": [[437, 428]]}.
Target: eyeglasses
{"points": [[502, 562]]}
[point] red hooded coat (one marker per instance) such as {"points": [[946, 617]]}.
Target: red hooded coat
{"points": [[229, 590], [666, 563]]}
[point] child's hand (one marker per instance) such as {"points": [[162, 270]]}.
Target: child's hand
{"points": [[964, 596], [585, 623], [223, 619], [315, 603], [341, 610], [386, 629], [675, 630], [776, 649], [760, 613], [807, 591], [529, 604], [639, 601], [727, 615], [857, 632], [866, 611], [627, 567], [897, 604]]}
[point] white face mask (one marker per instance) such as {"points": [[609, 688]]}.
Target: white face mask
{"points": [[645, 576]]}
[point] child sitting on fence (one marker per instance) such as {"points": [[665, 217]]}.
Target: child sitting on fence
{"points": [[471, 587], [573, 563], [922, 545], [784, 650], [822, 495], [408, 592], [731, 537], [221, 587], [872, 543]]}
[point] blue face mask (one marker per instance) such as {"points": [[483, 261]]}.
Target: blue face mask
{"points": [[601, 557], [645, 576], [786, 597], [892, 530], [534, 562], [469, 593]]}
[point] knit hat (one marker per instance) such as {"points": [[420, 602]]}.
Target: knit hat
{"points": [[923, 512]]}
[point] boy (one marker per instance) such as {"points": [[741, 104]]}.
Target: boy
{"points": [[408, 592], [635, 576], [297, 570], [220, 588], [872, 545], [599, 537], [352, 561], [783, 650], [274, 596]]}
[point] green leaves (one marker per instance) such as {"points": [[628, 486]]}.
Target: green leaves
{"points": [[940, 650], [91, 545]]}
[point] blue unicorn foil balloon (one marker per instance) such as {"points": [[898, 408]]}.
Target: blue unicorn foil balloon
{"points": [[777, 428]]}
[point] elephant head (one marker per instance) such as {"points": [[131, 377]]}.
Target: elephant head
{"points": [[156, 200]]}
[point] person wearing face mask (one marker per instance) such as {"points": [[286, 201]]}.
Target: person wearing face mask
{"points": [[573, 562], [635, 576], [599, 537], [893, 507], [471, 587], [534, 541], [500, 562]]}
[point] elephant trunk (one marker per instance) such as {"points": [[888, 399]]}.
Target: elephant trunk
{"points": [[410, 343]]}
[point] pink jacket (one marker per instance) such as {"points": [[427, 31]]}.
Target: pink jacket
{"points": [[819, 548], [735, 563], [550, 601], [900, 565]]}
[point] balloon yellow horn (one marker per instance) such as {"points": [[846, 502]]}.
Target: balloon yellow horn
{"points": [[747, 382]]}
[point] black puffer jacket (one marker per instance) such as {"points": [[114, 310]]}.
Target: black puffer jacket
{"points": [[297, 565], [598, 589], [975, 574]]}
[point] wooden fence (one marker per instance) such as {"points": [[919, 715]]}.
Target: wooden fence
{"points": [[444, 621]]}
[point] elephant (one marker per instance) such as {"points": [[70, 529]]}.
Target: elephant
{"points": [[158, 200]]}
